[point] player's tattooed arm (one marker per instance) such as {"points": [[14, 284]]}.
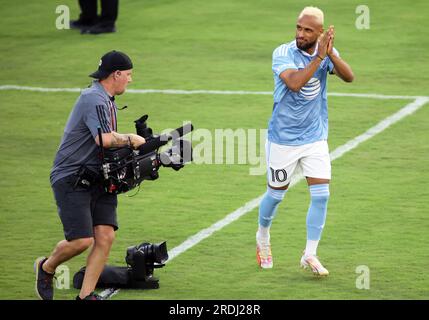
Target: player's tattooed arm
{"points": [[342, 69], [296, 79], [117, 140]]}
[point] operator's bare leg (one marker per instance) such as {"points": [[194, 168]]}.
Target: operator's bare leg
{"points": [[64, 251], [104, 236]]}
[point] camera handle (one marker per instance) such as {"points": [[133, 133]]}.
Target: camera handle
{"points": [[157, 142], [104, 165]]}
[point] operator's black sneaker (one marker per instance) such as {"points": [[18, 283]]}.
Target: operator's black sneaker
{"points": [[81, 25], [91, 296], [44, 280]]}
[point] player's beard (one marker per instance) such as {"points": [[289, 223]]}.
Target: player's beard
{"points": [[305, 45]]}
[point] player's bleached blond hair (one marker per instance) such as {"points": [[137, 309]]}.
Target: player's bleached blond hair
{"points": [[314, 12]]}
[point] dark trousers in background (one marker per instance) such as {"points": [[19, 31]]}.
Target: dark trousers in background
{"points": [[109, 12]]}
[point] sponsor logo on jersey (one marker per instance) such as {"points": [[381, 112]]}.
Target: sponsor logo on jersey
{"points": [[311, 89]]}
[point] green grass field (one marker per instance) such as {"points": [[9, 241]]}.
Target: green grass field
{"points": [[378, 210]]}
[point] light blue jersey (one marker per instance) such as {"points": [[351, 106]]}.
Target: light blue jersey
{"points": [[299, 117]]}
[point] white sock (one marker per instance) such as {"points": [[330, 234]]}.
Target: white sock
{"points": [[311, 247], [263, 234]]}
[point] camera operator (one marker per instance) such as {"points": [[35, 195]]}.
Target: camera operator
{"points": [[87, 212]]}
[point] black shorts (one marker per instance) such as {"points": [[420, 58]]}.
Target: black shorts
{"points": [[80, 209]]}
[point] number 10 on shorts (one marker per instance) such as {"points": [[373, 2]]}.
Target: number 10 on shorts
{"points": [[279, 175]]}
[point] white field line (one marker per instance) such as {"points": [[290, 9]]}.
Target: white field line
{"points": [[219, 92], [252, 204]]}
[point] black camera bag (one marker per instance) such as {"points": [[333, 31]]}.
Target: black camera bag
{"points": [[111, 277]]}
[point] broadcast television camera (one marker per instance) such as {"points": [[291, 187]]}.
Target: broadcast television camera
{"points": [[141, 261], [124, 169]]}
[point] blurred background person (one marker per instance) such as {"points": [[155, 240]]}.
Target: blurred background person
{"points": [[90, 23]]}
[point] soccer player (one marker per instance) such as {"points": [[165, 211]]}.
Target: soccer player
{"points": [[298, 130]]}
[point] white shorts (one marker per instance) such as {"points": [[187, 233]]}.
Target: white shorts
{"points": [[282, 161]]}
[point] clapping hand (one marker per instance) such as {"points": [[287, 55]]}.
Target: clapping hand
{"points": [[326, 43]]}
